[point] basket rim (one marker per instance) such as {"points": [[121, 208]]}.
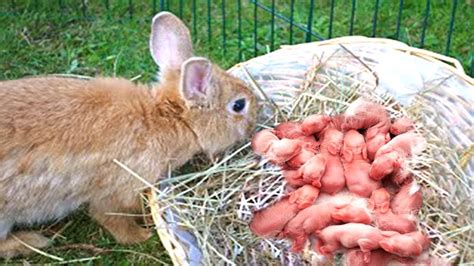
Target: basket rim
{"points": [[444, 61]]}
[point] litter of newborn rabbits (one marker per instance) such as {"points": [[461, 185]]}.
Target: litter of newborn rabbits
{"points": [[327, 154], [216, 202]]}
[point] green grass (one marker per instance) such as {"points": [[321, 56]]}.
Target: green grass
{"points": [[39, 37]]}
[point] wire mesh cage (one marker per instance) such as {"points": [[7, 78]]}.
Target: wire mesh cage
{"points": [[239, 30]]}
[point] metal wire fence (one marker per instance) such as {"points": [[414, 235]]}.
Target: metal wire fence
{"points": [[251, 27]]}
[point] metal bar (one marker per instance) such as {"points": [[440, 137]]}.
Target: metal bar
{"points": [[154, 7], [303, 28], [374, 19], [451, 26], [84, 8], [292, 13], [272, 28], [239, 29], [399, 19], [223, 27], [331, 17], [209, 33], [107, 4], [162, 5], [255, 7], [353, 8], [425, 24], [12, 5], [194, 17], [61, 5], [309, 25], [130, 8], [181, 8], [168, 5]]}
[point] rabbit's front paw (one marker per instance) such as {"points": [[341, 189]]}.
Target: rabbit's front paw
{"points": [[133, 234], [14, 245], [124, 228]]}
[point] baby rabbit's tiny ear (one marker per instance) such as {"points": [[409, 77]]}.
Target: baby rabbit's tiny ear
{"points": [[170, 42], [195, 79]]}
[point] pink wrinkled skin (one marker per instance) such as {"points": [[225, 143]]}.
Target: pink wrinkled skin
{"points": [[309, 142], [401, 223], [379, 257], [333, 179], [269, 222], [262, 141], [355, 257], [304, 196], [406, 145], [283, 150], [354, 212], [362, 114], [337, 121], [313, 170], [391, 156], [350, 235], [379, 201], [406, 245], [408, 200], [401, 176], [402, 125], [314, 124], [374, 144], [356, 166], [316, 217], [385, 165], [290, 130], [293, 178], [308, 221], [301, 158]]}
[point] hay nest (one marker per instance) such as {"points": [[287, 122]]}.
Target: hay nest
{"points": [[202, 216]]}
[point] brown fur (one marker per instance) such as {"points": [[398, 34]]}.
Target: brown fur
{"points": [[59, 137]]}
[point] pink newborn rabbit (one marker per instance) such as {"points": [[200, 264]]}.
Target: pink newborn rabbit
{"points": [[307, 222], [362, 114], [380, 257], [406, 245], [314, 124], [333, 179], [402, 125], [269, 222], [356, 211], [283, 150], [350, 235], [316, 217], [60, 137], [356, 166], [313, 170], [391, 156], [380, 200], [263, 140], [408, 200], [290, 130]]}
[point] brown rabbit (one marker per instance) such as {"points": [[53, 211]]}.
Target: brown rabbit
{"points": [[59, 137]]}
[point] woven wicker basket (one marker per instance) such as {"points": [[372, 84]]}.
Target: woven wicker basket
{"points": [[431, 88]]}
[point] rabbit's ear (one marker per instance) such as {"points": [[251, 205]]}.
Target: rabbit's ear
{"points": [[195, 81], [170, 42]]}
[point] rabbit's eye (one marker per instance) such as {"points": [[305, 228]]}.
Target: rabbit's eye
{"points": [[238, 105]]}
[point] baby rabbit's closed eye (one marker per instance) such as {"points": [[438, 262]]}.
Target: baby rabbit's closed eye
{"points": [[59, 137]]}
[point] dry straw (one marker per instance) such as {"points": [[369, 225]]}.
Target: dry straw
{"points": [[215, 201]]}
